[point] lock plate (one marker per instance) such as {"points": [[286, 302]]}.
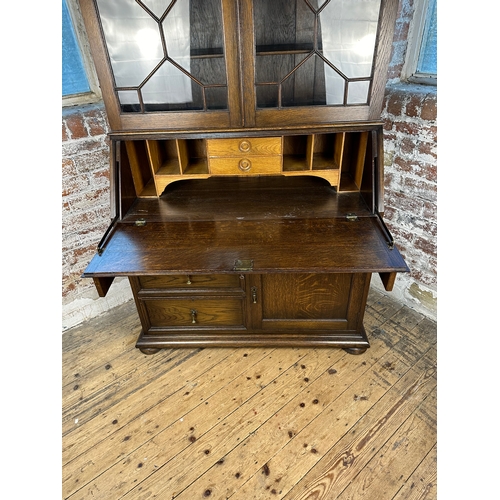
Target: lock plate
{"points": [[243, 265]]}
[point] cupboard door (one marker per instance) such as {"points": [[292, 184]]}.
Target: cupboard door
{"points": [[316, 60], [163, 63], [312, 302]]}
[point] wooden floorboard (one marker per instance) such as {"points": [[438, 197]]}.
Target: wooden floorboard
{"points": [[256, 423]]}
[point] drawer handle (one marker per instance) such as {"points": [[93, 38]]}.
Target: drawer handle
{"points": [[193, 315], [245, 146], [245, 165], [188, 282], [254, 295]]}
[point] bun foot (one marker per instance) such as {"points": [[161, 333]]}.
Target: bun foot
{"points": [[355, 350], [149, 350]]}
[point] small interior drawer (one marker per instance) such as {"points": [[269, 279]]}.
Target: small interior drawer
{"points": [[194, 281], [196, 312], [247, 146], [245, 165]]}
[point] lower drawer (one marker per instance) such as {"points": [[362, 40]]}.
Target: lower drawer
{"points": [[195, 312], [245, 165]]}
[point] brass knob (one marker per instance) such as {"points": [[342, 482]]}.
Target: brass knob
{"points": [[194, 312], [245, 165], [245, 146]]}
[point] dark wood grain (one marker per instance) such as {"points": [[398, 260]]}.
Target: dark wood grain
{"points": [[291, 245], [277, 260], [248, 198]]}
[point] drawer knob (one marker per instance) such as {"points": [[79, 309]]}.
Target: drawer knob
{"points": [[245, 146], [245, 165], [254, 295], [193, 315]]}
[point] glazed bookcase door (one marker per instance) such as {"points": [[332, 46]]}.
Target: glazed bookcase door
{"points": [[168, 64], [315, 61]]}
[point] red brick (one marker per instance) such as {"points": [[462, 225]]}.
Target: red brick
{"points": [[430, 211], [68, 168], [429, 172], [414, 105], [429, 108], [64, 132], [101, 174], [94, 159], [388, 124], [420, 187], [406, 202], [408, 128], [76, 126], [95, 123], [395, 104], [423, 277], [405, 165], [427, 148], [68, 287], [426, 245], [401, 31], [416, 167], [407, 145], [73, 185], [399, 234]]}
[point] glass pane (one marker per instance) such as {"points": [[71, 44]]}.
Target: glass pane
{"points": [[168, 85], [273, 68], [216, 98], [157, 7], [335, 86], [267, 96], [289, 32], [133, 41], [306, 86], [206, 27], [166, 51], [129, 100], [74, 78], [427, 62], [283, 24], [349, 30], [209, 70], [357, 92]]}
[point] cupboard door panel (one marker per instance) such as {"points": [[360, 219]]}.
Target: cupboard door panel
{"points": [[305, 296], [309, 302]]}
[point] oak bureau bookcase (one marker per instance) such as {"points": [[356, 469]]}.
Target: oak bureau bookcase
{"points": [[246, 167]]}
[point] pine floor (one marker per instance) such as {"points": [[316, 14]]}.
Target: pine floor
{"points": [[288, 423]]}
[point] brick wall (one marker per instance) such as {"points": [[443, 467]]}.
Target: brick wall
{"points": [[410, 132], [410, 142], [410, 197], [85, 210]]}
